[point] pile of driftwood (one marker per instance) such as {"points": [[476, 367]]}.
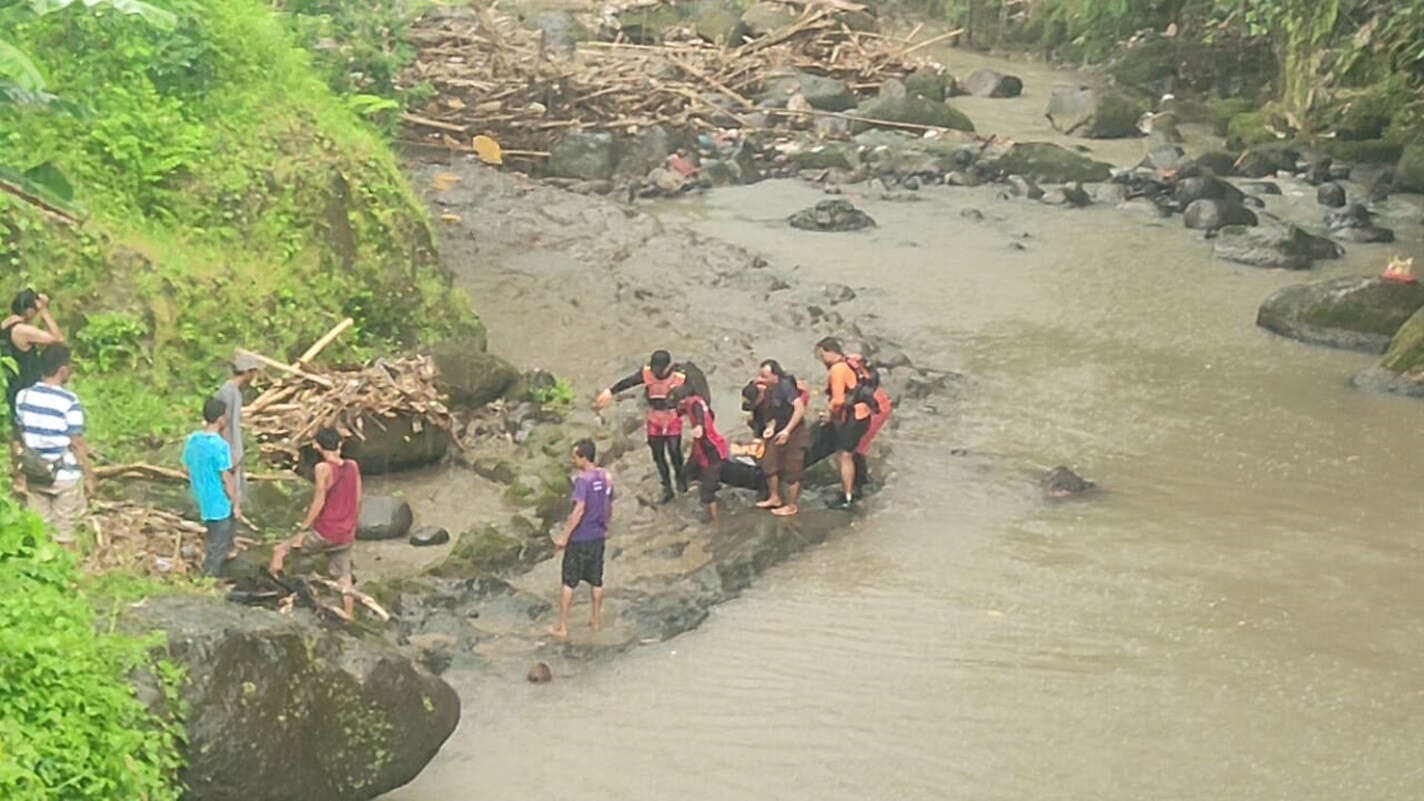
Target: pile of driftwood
{"points": [[145, 541], [300, 400], [494, 78], [286, 417]]}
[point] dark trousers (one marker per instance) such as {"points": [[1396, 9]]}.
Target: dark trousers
{"points": [[665, 449], [218, 544]]}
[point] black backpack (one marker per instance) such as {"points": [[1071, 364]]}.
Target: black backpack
{"points": [[697, 380]]}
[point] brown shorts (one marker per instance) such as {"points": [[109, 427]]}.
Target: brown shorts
{"points": [[338, 557], [788, 461]]}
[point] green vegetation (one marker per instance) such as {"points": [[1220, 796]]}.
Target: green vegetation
{"points": [[71, 726], [233, 199], [556, 397]]}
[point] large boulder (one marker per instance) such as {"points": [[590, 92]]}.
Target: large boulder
{"points": [[831, 215], [1409, 174], [766, 18], [825, 94], [911, 109], [383, 518], [1209, 214], [399, 442], [932, 82], [1355, 313], [1272, 243], [645, 151], [1401, 370], [1264, 162], [1046, 162], [646, 24], [585, 156], [1093, 113], [471, 377], [1148, 64], [1205, 187], [279, 709], [990, 83]]}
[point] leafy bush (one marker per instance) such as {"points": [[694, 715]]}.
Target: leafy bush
{"points": [[71, 726], [555, 397]]}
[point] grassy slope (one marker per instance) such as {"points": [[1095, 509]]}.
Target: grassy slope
{"points": [[235, 200]]}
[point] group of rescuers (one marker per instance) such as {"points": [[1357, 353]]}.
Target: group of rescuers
{"points": [[777, 403]]}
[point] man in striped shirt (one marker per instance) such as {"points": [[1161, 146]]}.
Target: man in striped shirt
{"points": [[51, 423]]}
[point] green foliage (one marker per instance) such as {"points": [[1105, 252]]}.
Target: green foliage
{"points": [[236, 201], [71, 726], [556, 397]]}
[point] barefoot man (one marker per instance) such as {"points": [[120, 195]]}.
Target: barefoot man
{"points": [[584, 534], [330, 524]]}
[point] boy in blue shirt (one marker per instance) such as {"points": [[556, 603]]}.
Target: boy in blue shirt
{"points": [[209, 461]]}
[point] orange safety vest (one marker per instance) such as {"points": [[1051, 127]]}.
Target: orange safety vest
{"points": [[660, 389]]}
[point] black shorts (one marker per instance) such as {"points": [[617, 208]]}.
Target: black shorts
{"points": [[709, 480], [583, 561], [849, 434]]}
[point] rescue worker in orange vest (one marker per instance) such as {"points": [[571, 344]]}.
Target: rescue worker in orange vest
{"points": [[709, 447], [849, 416], [659, 379]]}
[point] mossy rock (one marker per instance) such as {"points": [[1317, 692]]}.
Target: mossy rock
{"points": [[1364, 151], [1094, 113], [495, 468], [469, 376], [911, 109], [388, 592], [1409, 174], [1148, 64], [1406, 348], [827, 156], [1254, 128], [1355, 313], [479, 551], [933, 83], [1049, 163], [1221, 112], [648, 24]]}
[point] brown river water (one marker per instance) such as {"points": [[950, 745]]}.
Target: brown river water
{"points": [[1239, 616]]}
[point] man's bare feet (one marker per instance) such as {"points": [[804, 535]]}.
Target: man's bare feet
{"points": [[596, 624], [785, 511], [769, 503], [559, 632]]}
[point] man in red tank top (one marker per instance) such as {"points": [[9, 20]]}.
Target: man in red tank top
{"points": [[330, 524]]}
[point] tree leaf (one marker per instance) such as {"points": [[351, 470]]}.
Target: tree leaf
{"points": [[18, 69], [152, 14]]}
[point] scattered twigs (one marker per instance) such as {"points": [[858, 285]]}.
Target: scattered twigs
{"points": [[143, 540]]}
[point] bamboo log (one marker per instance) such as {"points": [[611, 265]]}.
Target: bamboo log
{"points": [[320, 345], [270, 362]]}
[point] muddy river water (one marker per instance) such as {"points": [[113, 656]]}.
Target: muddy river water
{"points": [[1239, 616]]}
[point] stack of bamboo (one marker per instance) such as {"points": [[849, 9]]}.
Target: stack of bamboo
{"points": [[494, 78], [286, 417]]}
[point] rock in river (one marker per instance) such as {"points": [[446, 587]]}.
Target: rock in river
{"points": [[1045, 162], [1354, 313], [1209, 214], [1060, 482], [1273, 243], [1401, 370], [586, 156], [912, 109], [383, 518], [990, 83], [469, 375], [825, 94], [1330, 194], [831, 215], [1093, 113], [280, 710]]}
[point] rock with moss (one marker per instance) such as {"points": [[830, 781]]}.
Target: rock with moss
{"points": [[1220, 112], [278, 708], [1364, 151], [825, 94], [1045, 162], [1148, 64], [1253, 128], [1401, 370], [585, 156], [469, 376], [932, 82], [647, 24], [911, 109], [831, 215], [480, 550], [827, 155], [1266, 161], [1094, 113], [1354, 313], [401, 442], [1409, 174], [1273, 244], [767, 18]]}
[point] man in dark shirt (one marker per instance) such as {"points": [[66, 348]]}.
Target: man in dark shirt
{"points": [[786, 437], [659, 379]]}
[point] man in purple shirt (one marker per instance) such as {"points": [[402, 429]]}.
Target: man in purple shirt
{"points": [[584, 534]]}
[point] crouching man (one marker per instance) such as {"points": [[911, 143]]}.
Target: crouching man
{"points": [[330, 524]]}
